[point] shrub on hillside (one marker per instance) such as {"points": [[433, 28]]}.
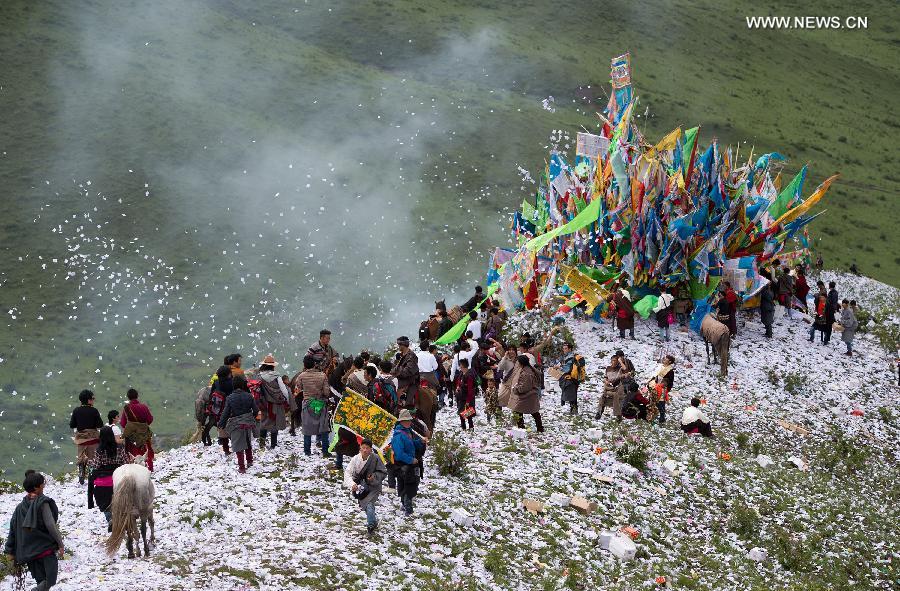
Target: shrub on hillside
{"points": [[633, 452], [450, 454], [538, 326]]}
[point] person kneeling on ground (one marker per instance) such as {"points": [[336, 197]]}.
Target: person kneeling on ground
{"points": [[363, 477], [694, 421]]}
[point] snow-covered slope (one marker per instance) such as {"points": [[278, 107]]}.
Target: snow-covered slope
{"points": [[287, 524]]}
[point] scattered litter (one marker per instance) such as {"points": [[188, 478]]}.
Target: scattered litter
{"points": [[462, 517], [764, 461], [559, 499], [799, 462], [792, 427], [534, 506], [622, 547], [583, 505], [671, 467]]}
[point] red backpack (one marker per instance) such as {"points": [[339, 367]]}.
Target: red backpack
{"points": [[386, 394], [255, 387]]}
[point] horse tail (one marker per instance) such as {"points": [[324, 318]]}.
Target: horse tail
{"points": [[121, 508]]}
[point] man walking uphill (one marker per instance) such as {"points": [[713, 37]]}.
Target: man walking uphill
{"points": [[86, 421], [135, 421]]}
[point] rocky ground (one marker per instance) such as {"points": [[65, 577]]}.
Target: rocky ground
{"points": [[832, 524]]}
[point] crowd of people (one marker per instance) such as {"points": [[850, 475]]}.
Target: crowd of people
{"points": [[251, 408]]}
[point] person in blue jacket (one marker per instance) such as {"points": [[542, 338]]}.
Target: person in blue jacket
{"points": [[405, 445]]}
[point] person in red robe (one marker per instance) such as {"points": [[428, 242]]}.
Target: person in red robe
{"points": [[801, 287], [137, 412], [732, 299]]}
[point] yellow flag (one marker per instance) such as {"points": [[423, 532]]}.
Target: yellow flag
{"points": [[668, 142], [809, 202]]}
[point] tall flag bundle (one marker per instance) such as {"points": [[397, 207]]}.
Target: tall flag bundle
{"points": [[668, 213]]}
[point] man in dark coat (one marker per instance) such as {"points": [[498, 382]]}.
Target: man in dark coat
{"points": [[34, 539], [323, 353], [86, 421], [767, 308], [473, 301], [832, 307], [406, 370]]}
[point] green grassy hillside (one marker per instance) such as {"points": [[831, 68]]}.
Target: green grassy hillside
{"points": [[233, 141]]}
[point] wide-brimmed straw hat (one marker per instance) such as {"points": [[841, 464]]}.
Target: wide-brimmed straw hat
{"points": [[405, 415], [269, 360]]}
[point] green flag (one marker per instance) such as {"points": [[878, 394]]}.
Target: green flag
{"points": [[790, 194], [528, 211], [587, 217], [687, 150], [459, 328], [645, 305]]}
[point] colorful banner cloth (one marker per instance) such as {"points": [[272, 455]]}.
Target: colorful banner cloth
{"points": [[364, 418]]}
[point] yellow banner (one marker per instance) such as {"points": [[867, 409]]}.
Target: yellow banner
{"points": [[589, 289], [364, 418]]}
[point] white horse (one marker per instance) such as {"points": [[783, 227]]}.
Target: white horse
{"points": [[133, 494]]}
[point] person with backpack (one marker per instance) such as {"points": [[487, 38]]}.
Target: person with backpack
{"points": [[314, 392], [363, 477], [405, 446], [659, 387], [274, 403], [223, 387], [663, 312], [86, 421], [465, 394], [136, 421], [239, 419], [382, 387], [356, 379], [504, 375], [573, 374], [34, 539], [215, 402]]}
